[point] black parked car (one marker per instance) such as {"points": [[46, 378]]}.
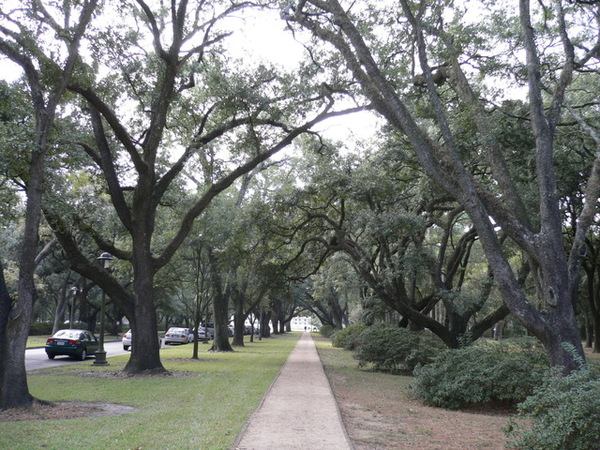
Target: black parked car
{"points": [[75, 343]]}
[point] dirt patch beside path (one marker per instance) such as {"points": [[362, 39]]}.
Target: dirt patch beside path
{"points": [[378, 414], [378, 418], [64, 410]]}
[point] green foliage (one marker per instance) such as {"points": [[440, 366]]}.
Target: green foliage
{"points": [[327, 331], [565, 411], [45, 328], [349, 337], [485, 372], [391, 349], [40, 329]]}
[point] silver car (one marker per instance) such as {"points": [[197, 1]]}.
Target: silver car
{"points": [[177, 335]]}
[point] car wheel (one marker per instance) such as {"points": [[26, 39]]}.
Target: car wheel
{"points": [[126, 347], [51, 355], [83, 354]]}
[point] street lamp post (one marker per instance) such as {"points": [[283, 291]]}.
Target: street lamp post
{"points": [[104, 259], [74, 290]]}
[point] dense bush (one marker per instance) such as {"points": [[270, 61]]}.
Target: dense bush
{"points": [[391, 349], [326, 331], [348, 337], [40, 328], [507, 371], [45, 328], [565, 413]]}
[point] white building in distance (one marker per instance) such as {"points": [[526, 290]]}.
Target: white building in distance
{"points": [[302, 323]]}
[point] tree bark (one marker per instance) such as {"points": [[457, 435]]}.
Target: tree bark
{"points": [[14, 391], [221, 316], [145, 346], [592, 269], [265, 330], [239, 319], [220, 308]]}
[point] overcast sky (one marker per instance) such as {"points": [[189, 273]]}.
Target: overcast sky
{"points": [[263, 36]]}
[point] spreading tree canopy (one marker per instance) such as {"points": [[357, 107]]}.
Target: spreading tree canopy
{"points": [[392, 51]]}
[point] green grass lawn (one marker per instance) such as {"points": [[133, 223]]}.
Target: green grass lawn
{"points": [[36, 341], [204, 411]]}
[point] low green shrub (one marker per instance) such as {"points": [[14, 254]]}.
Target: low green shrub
{"points": [[565, 414], [40, 328], [326, 331], [392, 349], [45, 328], [349, 337], [484, 372]]}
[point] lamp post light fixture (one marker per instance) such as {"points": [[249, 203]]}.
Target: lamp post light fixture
{"points": [[104, 259], [74, 291]]}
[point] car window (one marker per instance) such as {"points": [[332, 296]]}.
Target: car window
{"points": [[67, 334], [176, 330]]}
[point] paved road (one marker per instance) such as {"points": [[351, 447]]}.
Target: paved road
{"points": [[36, 358]]}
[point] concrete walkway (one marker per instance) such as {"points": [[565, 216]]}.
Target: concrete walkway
{"points": [[298, 411]]}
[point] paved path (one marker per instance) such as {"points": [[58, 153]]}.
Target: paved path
{"points": [[298, 411]]}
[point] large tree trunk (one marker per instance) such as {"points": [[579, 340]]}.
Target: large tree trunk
{"points": [[220, 308], [221, 316], [593, 300], [275, 308], [145, 355], [14, 391], [596, 333], [265, 319], [145, 345], [337, 313], [239, 320]]}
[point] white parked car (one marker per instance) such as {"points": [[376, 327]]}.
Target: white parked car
{"points": [[201, 335], [127, 341], [209, 328], [177, 335]]}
